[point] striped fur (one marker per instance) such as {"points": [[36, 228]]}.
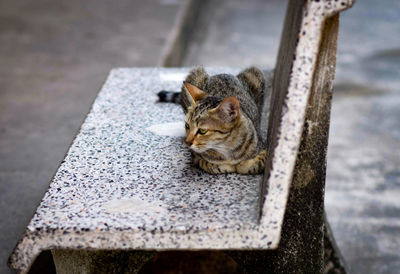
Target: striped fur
{"points": [[222, 120]]}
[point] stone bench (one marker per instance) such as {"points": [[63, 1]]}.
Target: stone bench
{"points": [[127, 182]]}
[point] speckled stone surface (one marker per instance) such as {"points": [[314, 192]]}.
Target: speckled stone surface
{"points": [[119, 174], [123, 186]]}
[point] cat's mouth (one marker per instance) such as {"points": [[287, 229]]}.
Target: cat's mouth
{"points": [[203, 149], [197, 149]]}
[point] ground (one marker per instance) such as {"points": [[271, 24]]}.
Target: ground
{"points": [[56, 55]]}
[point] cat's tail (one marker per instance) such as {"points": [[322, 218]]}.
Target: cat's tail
{"points": [[169, 96]]}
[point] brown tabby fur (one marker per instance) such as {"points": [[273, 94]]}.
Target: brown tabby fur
{"points": [[222, 120]]}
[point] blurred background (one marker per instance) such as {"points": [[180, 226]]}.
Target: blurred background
{"points": [[55, 56]]}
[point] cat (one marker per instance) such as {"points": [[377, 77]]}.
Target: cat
{"points": [[222, 117]]}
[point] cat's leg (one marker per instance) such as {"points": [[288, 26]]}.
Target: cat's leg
{"points": [[253, 166], [213, 168]]}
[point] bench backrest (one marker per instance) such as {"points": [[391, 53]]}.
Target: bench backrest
{"points": [[301, 98]]}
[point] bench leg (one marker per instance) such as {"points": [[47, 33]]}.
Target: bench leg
{"points": [[333, 259], [91, 262]]}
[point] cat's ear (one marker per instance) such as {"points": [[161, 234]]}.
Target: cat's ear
{"points": [[227, 110], [193, 93]]}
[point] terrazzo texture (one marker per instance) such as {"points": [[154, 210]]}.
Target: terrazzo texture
{"points": [[121, 186]]}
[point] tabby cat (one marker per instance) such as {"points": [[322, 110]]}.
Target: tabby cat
{"points": [[222, 120]]}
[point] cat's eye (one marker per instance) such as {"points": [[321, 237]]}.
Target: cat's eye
{"points": [[186, 126], [202, 131]]}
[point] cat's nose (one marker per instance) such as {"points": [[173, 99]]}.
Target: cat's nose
{"points": [[189, 140]]}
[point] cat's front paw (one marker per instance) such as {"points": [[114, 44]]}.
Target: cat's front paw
{"points": [[214, 168], [253, 166], [196, 160]]}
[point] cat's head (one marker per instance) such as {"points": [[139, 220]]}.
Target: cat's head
{"points": [[210, 120]]}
